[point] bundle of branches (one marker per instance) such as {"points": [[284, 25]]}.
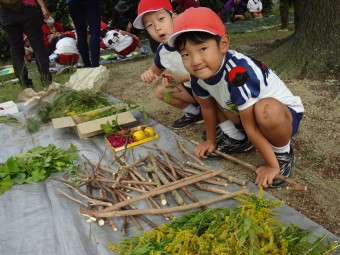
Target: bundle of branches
{"points": [[247, 229], [71, 102], [155, 180]]}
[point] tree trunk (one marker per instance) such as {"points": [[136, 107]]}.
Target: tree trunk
{"points": [[313, 50]]}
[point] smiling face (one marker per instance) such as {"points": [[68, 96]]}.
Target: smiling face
{"points": [[159, 25], [204, 59]]}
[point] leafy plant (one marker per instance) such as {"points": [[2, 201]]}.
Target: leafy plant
{"points": [[35, 165], [247, 229], [72, 102]]}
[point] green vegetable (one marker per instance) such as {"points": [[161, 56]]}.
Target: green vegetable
{"points": [[70, 102], [35, 165], [247, 229]]}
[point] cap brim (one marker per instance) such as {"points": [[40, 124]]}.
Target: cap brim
{"points": [[171, 41], [138, 23]]}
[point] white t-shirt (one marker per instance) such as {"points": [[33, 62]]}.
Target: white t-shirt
{"points": [[168, 58], [254, 6], [115, 40], [66, 45]]}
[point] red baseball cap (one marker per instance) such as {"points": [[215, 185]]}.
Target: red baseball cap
{"points": [[146, 6], [200, 19]]}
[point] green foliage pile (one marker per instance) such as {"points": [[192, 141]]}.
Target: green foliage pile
{"points": [[71, 102], [247, 229], [35, 165]]}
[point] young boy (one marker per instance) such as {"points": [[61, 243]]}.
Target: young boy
{"points": [[156, 16], [222, 78]]}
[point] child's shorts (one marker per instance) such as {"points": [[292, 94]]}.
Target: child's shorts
{"points": [[296, 120], [67, 60], [129, 49]]}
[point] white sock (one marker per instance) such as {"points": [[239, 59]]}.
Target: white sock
{"points": [[192, 109], [284, 149], [141, 50], [228, 127]]}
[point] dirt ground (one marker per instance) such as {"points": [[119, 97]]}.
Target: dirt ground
{"points": [[316, 145]]}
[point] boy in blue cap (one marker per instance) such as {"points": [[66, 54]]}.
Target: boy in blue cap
{"points": [[244, 89]]}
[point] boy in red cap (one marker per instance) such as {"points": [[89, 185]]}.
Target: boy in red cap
{"points": [[156, 16], [246, 90]]}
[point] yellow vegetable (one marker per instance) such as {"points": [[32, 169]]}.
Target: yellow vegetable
{"points": [[138, 135], [149, 132]]}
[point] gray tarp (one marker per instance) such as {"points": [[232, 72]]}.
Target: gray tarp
{"points": [[35, 220]]}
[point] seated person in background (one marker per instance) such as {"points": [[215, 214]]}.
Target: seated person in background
{"points": [[185, 4], [28, 50], [122, 18], [66, 50], [51, 31], [234, 9], [122, 42], [255, 8]]}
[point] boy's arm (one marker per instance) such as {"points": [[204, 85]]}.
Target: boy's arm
{"points": [[209, 112], [151, 74], [265, 174]]}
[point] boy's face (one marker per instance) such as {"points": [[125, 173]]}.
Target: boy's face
{"points": [[203, 60], [159, 25]]}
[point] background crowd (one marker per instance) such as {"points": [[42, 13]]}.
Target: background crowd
{"points": [[49, 36]]}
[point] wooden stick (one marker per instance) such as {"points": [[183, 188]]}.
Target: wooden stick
{"points": [[227, 177], [112, 224], [154, 168], [211, 189], [91, 200], [294, 185], [135, 221], [184, 189], [126, 168], [162, 196], [243, 191], [185, 151], [60, 192], [106, 169], [165, 188]]}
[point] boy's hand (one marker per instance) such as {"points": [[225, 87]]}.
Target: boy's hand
{"points": [[203, 147], [173, 78], [148, 76], [265, 176]]}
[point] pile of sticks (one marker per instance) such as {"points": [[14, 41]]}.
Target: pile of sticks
{"points": [[106, 193]]}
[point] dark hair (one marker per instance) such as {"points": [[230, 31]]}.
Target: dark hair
{"points": [[195, 37]]}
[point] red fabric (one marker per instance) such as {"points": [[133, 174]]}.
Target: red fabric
{"points": [[129, 49], [197, 19], [186, 4], [29, 2], [46, 31], [102, 44], [68, 60]]}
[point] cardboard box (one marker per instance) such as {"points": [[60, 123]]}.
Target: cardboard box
{"points": [[7, 108], [90, 128], [145, 140]]}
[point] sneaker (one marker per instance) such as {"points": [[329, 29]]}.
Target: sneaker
{"points": [[187, 120], [229, 145], [218, 134], [286, 162]]}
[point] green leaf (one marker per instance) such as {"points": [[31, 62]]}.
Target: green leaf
{"points": [[5, 184], [12, 165]]}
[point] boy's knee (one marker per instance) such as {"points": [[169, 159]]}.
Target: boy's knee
{"points": [[158, 92], [267, 111]]}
